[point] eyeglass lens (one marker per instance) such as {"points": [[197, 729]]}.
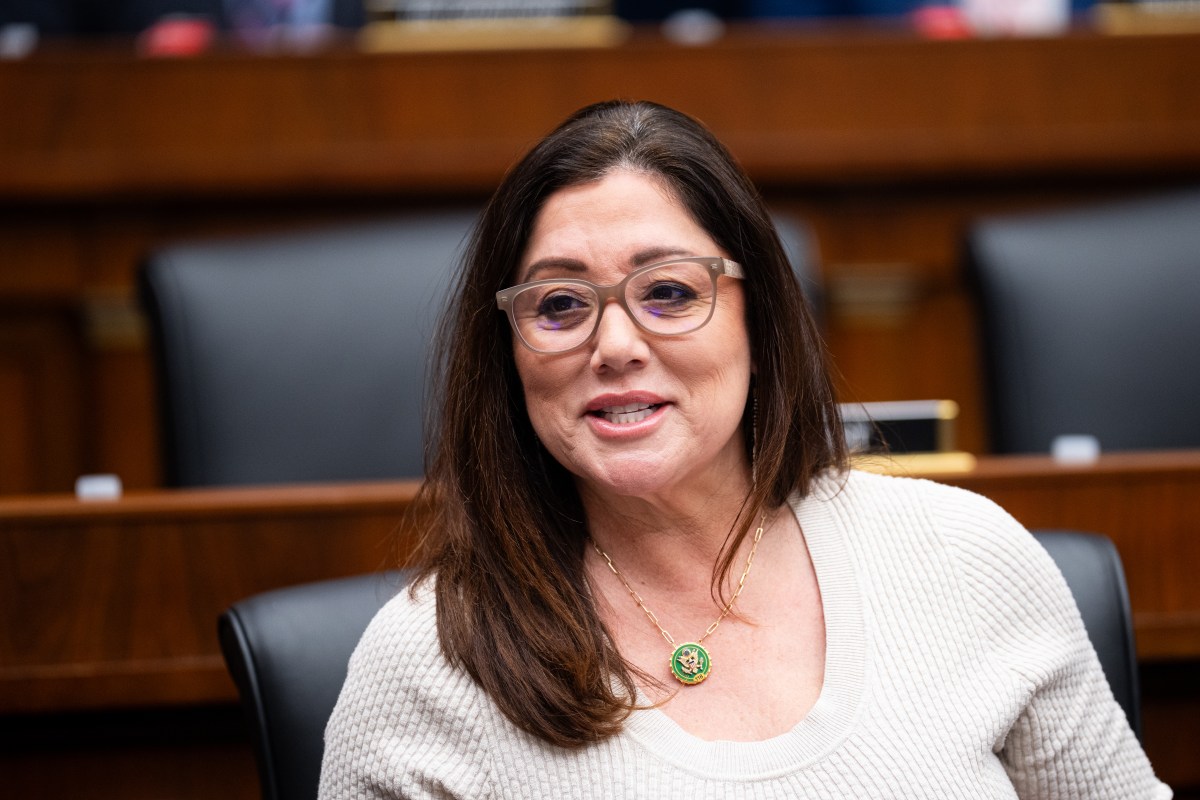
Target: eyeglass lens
{"points": [[670, 299]]}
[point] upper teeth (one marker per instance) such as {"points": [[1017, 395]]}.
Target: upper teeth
{"points": [[626, 408], [632, 412]]}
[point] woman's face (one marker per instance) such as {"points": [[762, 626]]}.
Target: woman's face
{"points": [[631, 413]]}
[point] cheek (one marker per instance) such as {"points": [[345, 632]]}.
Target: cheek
{"points": [[730, 387], [727, 367], [543, 386], [530, 382]]}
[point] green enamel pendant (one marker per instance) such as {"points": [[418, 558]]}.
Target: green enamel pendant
{"points": [[690, 663]]}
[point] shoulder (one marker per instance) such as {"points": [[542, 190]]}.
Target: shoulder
{"points": [[924, 524], [860, 486], [1015, 593], [995, 554], [402, 637], [406, 717], [917, 502], [398, 662], [902, 504]]}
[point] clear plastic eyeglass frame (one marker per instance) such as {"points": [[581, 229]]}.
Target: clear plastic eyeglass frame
{"points": [[716, 266]]}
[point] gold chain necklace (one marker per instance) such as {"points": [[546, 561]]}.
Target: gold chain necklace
{"points": [[690, 662]]}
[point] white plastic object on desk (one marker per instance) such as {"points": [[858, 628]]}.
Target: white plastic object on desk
{"points": [[17, 40], [98, 487], [1017, 17], [693, 27], [1075, 449]]}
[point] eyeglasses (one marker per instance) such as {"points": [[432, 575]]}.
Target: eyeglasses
{"points": [[669, 298]]}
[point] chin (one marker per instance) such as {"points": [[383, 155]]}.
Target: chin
{"points": [[628, 477]]}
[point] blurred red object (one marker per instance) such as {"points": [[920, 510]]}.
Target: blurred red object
{"points": [[177, 36], [940, 22]]}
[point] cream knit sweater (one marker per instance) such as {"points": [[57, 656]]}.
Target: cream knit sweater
{"points": [[956, 667]]}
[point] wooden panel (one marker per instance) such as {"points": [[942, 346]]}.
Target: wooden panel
{"points": [[115, 604], [796, 105], [40, 441], [40, 255], [124, 414]]}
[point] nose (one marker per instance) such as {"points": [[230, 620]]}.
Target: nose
{"points": [[618, 343]]}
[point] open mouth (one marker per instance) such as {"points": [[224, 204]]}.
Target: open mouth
{"points": [[627, 414]]}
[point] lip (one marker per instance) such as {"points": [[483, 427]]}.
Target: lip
{"points": [[610, 400], [620, 430]]}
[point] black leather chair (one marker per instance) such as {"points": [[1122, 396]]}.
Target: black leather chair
{"points": [[801, 247], [287, 651], [300, 356], [1090, 323]]}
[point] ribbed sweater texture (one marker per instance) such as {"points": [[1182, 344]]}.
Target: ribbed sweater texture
{"points": [[957, 666]]}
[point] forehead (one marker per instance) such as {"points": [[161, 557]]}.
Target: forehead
{"points": [[612, 222]]}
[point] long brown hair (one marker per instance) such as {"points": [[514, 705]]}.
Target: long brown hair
{"points": [[506, 541]]}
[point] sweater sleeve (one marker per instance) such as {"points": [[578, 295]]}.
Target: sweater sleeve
{"points": [[1070, 738], [407, 724]]}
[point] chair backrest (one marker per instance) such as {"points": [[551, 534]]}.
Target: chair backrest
{"points": [[287, 651], [1092, 567], [300, 356], [800, 245], [1090, 323]]}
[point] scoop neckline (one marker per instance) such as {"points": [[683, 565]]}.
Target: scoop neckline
{"points": [[831, 718]]}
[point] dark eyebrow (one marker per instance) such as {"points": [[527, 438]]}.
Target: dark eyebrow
{"points": [[569, 264], [652, 254], [640, 259]]}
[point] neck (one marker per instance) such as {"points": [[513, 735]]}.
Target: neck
{"points": [[674, 542]]}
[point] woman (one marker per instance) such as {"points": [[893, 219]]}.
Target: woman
{"points": [[650, 572]]}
